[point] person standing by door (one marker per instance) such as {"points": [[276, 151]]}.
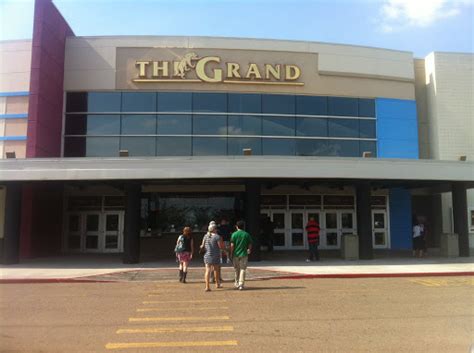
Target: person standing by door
{"points": [[240, 248], [312, 230]]}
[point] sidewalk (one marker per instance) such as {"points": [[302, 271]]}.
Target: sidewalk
{"points": [[110, 268]]}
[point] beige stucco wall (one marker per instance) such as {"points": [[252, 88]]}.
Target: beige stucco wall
{"points": [[449, 81], [19, 147], [450, 103], [91, 64], [17, 105], [422, 109], [15, 65], [16, 127]]}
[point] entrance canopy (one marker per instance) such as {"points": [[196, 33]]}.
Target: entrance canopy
{"points": [[267, 167], [259, 167]]}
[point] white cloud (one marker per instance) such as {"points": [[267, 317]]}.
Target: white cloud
{"points": [[399, 14]]}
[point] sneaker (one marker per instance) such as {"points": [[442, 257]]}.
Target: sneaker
{"points": [[241, 287], [308, 260]]}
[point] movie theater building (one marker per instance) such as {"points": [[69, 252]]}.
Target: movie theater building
{"points": [[113, 144]]}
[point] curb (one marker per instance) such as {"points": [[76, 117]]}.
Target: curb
{"points": [[289, 276], [377, 275]]}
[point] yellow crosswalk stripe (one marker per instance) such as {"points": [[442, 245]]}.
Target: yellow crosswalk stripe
{"points": [[188, 318], [170, 344], [176, 329], [184, 308], [184, 301]]}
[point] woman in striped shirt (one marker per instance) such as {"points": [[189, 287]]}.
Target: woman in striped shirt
{"points": [[213, 244]]}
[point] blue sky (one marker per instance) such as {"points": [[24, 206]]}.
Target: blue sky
{"points": [[420, 26]]}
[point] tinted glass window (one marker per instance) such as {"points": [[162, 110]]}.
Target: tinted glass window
{"points": [[368, 146], [76, 125], [343, 128], [103, 124], [343, 106], [209, 146], [245, 103], [102, 146], [174, 102], [367, 128], [103, 102], [311, 127], [174, 124], [244, 125], [210, 102], [311, 105], [367, 107], [138, 102], [278, 104], [236, 145], [138, 124], [173, 146], [281, 147], [74, 147], [138, 146], [76, 102], [343, 148], [209, 124], [278, 126], [312, 147]]}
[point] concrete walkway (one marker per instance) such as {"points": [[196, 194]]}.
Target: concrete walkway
{"points": [[81, 266]]}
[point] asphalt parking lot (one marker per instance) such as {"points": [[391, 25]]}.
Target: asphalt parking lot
{"points": [[423, 314]]}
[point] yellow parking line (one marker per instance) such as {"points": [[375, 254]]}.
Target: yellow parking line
{"points": [[170, 344], [184, 301], [176, 329], [182, 308], [188, 318]]}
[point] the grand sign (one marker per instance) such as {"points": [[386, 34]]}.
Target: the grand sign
{"points": [[213, 69]]}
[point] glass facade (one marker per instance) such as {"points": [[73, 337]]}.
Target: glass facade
{"points": [[100, 124]]}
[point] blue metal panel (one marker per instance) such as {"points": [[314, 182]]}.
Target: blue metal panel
{"points": [[397, 128], [400, 219], [13, 116], [12, 138], [400, 148], [14, 94], [395, 108]]}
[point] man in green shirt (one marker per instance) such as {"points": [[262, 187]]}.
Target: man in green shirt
{"points": [[240, 248]]}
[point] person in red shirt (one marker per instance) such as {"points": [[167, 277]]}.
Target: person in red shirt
{"points": [[312, 229]]}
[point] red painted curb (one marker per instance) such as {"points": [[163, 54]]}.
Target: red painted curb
{"points": [[377, 275], [295, 276]]}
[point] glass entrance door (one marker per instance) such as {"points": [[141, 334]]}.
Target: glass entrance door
{"points": [[73, 241], [336, 224], [379, 229], [279, 221], [297, 239], [92, 232], [113, 230], [330, 237]]}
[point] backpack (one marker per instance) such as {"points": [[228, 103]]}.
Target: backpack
{"points": [[180, 245]]}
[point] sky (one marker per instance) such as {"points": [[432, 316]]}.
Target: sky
{"points": [[419, 26]]}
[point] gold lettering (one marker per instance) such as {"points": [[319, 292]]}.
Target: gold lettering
{"points": [[253, 70], [272, 70], [163, 68], [142, 67], [201, 69], [292, 72], [233, 70]]}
